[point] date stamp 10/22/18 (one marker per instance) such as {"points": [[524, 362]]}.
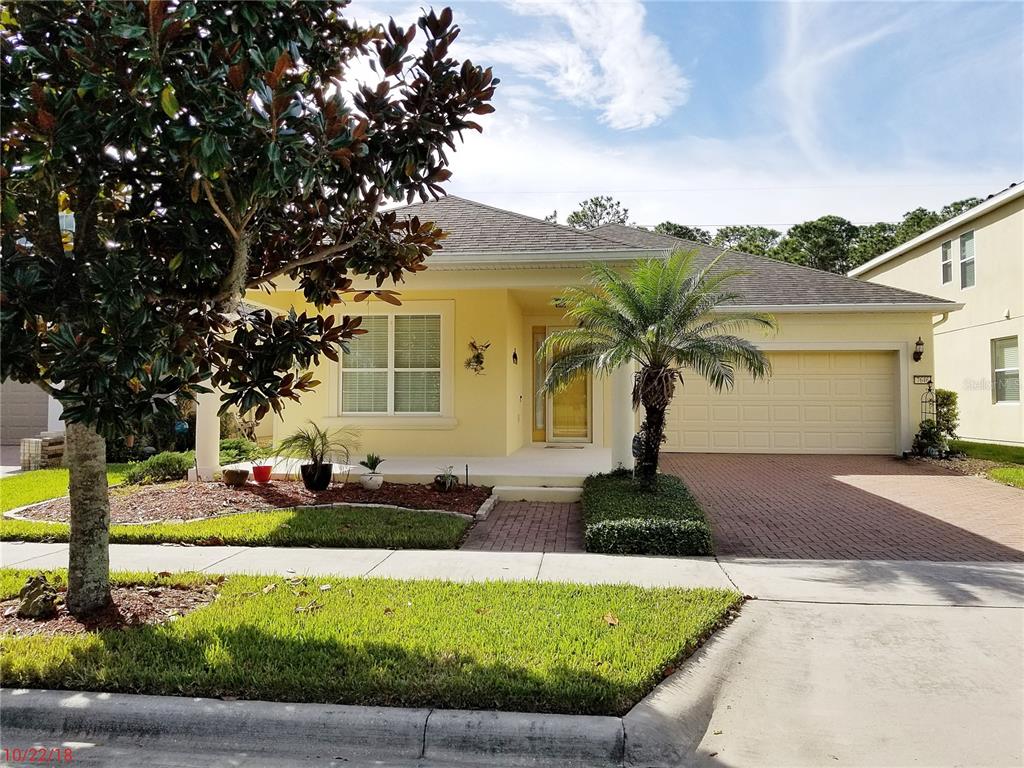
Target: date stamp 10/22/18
{"points": [[36, 755]]}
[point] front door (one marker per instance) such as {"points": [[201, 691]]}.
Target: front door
{"points": [[563, 417]]}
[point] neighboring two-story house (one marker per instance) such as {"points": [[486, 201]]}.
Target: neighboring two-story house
{"points": [[976, 259]]}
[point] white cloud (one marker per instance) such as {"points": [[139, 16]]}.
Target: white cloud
{"points": [[818, 39], [533, 166], [604, 59]]}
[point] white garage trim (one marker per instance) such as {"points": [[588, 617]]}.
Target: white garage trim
{"points": [[903, 431]]}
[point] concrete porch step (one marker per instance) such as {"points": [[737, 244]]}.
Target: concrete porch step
{"points": [[556, 493]]}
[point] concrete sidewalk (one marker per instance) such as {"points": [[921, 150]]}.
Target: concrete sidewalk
{"points": [[877, 582]]}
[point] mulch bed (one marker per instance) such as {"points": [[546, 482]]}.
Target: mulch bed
{"points": [[130, 607], [963, 466], [194, 501]]}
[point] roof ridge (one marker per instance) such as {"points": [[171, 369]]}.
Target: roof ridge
{"points": [[579, 232]]}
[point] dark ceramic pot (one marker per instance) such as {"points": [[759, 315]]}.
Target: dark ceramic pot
{"points": [[235, 477], [316, 477]]}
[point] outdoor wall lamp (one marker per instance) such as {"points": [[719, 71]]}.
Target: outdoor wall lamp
{"points": [[918, 350], [515, 357]]}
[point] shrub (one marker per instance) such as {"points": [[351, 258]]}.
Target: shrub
{"points": [[235, 449], [947, 414], [614, 496], [619, 518], [161, 468], [929, 440], [649, 536]]}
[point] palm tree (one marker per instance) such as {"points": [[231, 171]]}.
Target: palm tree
{"points": [[668, 318]]}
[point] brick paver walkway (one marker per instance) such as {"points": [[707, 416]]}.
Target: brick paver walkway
{"points": [[529, 526], [851, 507]]}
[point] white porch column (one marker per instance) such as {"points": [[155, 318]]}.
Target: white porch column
{"points": [[623, 420], [207, 435]]}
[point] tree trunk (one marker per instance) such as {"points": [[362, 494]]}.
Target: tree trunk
{"points": [[89, 556], [653, 429]]}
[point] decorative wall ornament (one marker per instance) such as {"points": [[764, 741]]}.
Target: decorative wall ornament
{"points": [[475, 362]]}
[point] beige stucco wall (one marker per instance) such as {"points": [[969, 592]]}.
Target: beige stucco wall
{"points": [[993, 308]]}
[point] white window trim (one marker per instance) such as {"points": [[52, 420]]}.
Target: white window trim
{"points": [[946, 258], [995, 371], [972, 260], [391, 420]]}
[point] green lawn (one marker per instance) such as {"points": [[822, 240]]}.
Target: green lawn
{"points": [[619, 518], [1008, 475], [1002, 453], [42, 484], [512, 646], [370, 527]]}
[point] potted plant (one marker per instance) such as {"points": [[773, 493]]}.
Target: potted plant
{"points": [[320, 448], [373, 479], [447, 480], [235, 478], [262, 466]]}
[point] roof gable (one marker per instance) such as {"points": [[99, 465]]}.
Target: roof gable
{"points": [[480, 236], [770, 282]]}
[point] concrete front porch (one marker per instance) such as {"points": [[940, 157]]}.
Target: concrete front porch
{"points": [[529, 474]]}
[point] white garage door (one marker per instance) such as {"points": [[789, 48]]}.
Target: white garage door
{"points": [[814, 402]]}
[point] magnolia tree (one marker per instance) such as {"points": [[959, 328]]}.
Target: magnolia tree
{"points": [[202, 150]]}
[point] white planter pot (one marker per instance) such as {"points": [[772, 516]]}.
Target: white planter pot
{"points": [[371, 481]]}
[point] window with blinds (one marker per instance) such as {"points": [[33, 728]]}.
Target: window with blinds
{"points": [[967, 260], [1006, 370], [947, 261], [395, 367]]}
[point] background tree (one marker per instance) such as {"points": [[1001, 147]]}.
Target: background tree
{"points": [[872, 240], [824, 243], [203, 149], [684, 232], [760, 241], [914, 223], [596, 211], [957, 207], [665, 317], [552, 218]]}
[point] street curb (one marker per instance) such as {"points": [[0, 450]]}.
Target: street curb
{"points": [[291, 731], [666, 727]]}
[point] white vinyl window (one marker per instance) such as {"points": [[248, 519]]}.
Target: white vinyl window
{"points": [[1005, 370], [394, 368], [947, 262], [967, 260]]}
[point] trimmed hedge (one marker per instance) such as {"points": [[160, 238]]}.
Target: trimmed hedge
{"points": [[161, 468], [621, 519]]}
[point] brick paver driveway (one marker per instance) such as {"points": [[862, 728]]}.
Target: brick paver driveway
{"points": [[528, 526], [851, 507]]}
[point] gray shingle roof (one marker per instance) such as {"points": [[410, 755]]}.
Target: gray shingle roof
{"points": [[477, 228], [772, 282]]}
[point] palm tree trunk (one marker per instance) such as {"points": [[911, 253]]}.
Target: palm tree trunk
{"points": [[88, 556], [653, 431]]}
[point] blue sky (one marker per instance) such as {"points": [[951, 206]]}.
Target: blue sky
{"points": [[715, 113]]}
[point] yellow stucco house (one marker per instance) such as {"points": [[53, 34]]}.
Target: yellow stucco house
{"points": [[976, 259], [843, 381]]}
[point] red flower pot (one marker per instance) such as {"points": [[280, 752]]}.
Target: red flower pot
{"points": [[261, 473]]}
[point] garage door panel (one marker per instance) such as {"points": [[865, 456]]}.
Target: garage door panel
{"points": [[780, 387], [814, 402], [758, 412], [849, 387], [815, 387]]}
